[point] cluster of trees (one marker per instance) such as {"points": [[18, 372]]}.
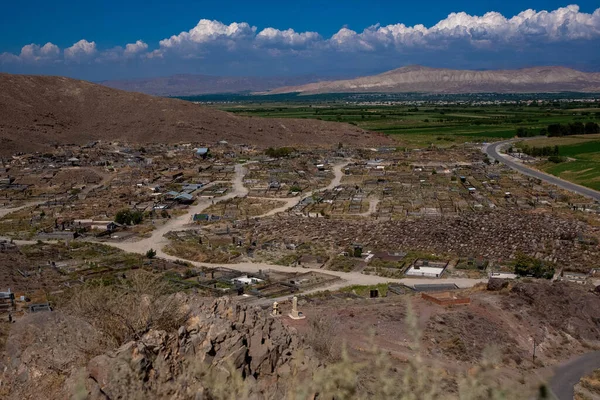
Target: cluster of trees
{"points": [[545, 151], [552, 152], [279, 152], [129, 217], [574, 128], [530, 266], [524, 132]]}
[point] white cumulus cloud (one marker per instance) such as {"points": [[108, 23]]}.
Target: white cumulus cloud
{"points": [[459, 40], [80, 51], [563, 24], [271, 37], [131, 49], [33, 53], [207, 32]]}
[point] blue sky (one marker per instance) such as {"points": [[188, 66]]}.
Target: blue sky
{"points": [[124, 39]]}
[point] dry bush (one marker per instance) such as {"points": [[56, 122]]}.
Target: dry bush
{"points": [[323, 338], [130, 308]]}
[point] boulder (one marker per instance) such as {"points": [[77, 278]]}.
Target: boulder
{"points": [[495, 284]]}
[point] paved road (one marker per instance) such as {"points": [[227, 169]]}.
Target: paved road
{"points": [[569, 374], [492, 151]]}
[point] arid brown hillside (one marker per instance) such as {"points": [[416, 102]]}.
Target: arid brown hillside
{"points": [[440, 80], [39, 111]]}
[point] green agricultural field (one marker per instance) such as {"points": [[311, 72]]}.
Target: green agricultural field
{"points": [[420, 120], [581, 154], [423, 124], [583, 165]]}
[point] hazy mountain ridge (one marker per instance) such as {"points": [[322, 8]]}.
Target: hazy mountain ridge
{"points": [[191, 84], [440, 80]]}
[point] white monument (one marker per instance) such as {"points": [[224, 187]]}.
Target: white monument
{"points": [[295, 314]]}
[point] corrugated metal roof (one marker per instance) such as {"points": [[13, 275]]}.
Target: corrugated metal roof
{"points": [[184, 196]]}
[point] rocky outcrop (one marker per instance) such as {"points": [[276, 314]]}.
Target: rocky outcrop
{"points": [[224, 347], [223, 339], [495, 284]]}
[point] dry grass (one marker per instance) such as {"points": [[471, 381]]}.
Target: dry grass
{"points": [[588, 385], [380, 380], [130, 308]]}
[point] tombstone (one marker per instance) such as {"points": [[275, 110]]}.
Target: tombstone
{"points": [[295, 314]]}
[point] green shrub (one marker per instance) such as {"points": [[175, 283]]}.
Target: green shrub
{"points": [[279, 152]]}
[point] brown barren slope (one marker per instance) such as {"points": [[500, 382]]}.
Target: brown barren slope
{"points": [[440, 80], [39, 111]]}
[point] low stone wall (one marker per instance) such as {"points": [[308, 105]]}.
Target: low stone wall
{"points": [[446, 299]]}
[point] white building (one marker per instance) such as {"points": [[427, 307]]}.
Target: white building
{"points": [[426, 271], [245, 280]]}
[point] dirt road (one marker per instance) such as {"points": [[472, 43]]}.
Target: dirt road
{"points": [[291, 202], [372, 208], [5, 211], [157, 241]]}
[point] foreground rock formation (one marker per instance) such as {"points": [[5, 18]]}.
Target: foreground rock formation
{"points": [[220, 341]]}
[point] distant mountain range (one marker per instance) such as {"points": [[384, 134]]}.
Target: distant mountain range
{"points": [[440, 80], [189, 84]]}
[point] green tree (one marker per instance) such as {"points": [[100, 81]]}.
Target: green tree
{"points": [[279, 152], [129, 217], [592, 127], [530, 266]]}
